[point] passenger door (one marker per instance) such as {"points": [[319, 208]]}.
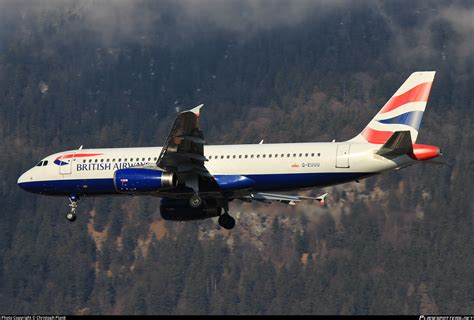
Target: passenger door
{"points": [[65, 166], [342, 155]]}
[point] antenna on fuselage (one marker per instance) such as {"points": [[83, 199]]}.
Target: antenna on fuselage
{"points": [[80, 148], [261, 142]]}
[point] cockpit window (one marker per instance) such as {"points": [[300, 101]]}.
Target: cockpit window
{"points": [[45, 163], [39, 164]]}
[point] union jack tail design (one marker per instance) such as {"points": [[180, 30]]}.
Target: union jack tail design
{"points": [[402, 112]]}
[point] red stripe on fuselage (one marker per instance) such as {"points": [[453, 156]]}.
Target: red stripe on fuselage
{"points": [[78, 155], [375, 136], [415, 94]]}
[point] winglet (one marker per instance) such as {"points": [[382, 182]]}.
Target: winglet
{"points": [[196, 110], [322, 198]]}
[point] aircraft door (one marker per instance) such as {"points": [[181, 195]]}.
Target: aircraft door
{"points": [[65, 166], [342, 155]]}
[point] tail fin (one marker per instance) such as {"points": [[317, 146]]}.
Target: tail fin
{"points": [[402, 112]]}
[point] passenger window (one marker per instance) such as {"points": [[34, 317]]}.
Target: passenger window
{"points": [[251, 156], [305, 154], [312, 154], [143, 159], [96, 160], [233, 157], [138, 159], [319, 154], [90, 160], [45, 163], [258, 156], [269, 155], [222, 157], [264, 155], [155, 158], [119, 160], [288, 155], [246, 156], [301, 154], [149, 159], [228, 157], [240, 156], [101, 160], [39, 164], [84, 161], [294, 155]]}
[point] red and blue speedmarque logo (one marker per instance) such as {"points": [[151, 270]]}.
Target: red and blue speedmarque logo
{"points": [[66, 158]]}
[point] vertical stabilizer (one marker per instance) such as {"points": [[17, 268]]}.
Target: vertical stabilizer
{"points": [[403, 112]]}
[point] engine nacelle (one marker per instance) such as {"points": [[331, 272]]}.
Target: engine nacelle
{"points": [[143, 180], [180, 210], [233, 182]]}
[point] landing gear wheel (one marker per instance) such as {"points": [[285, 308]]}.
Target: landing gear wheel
{"points": [[226, 221], [195, 201], [71, 217]]}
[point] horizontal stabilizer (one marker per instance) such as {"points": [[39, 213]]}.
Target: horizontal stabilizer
{"points": [[399, 143]]}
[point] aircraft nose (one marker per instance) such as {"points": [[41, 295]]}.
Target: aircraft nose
{"points": [[23, 179]]}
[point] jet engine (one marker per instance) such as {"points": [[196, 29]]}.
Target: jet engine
{"points": [[180, 210], [143, 180]]}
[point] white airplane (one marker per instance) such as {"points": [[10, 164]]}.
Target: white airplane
{"points": [[196, 181]]}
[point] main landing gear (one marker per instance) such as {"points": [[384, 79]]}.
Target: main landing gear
{"points": [[225, 220], [71, 215]]}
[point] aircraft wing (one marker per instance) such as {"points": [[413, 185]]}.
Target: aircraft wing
{"points": [[288, 199], [183, 151]]}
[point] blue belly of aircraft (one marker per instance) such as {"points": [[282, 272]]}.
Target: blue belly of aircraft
{"points": [[263, 182]]}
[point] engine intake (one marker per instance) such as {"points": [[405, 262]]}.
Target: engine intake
{"points": [[142, 180], [180, 210]]}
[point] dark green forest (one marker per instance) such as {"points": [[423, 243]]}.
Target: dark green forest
{"points": [[114, 74]]}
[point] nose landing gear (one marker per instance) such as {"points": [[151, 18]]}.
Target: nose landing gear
{"points": [[71, 216]]}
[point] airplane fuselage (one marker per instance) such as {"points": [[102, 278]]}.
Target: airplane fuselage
{"points": [[273, 167]]}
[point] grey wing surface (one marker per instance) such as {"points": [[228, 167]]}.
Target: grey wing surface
{"points": [[183, 151]]}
